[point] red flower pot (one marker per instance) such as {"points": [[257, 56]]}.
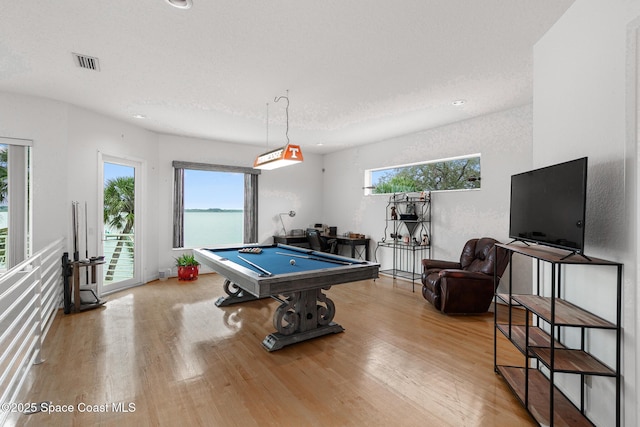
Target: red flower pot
{"points": [[189, 272]]}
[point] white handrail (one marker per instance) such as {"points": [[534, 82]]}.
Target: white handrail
{"points": [[30, 296]]}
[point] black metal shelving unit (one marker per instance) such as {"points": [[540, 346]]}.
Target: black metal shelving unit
{"points": [[407, 233], [543, 340]]}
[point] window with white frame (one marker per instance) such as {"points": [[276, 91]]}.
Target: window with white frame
{"points": [[15, 206]]}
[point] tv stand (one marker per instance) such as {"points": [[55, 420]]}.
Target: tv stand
{"points": [[575, 253], [557, 337], [518, 240], [570, 254]]}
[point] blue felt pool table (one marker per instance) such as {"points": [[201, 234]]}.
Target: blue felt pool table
{"points": [[295, 277]]}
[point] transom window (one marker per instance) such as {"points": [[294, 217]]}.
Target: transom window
{"points": [[459, 173]]}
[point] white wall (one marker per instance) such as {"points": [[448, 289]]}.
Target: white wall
{"points": [[90, 133], [323, 189], [67, 140], [297, 187], [44, 122], [504, 141], [584, 105]]}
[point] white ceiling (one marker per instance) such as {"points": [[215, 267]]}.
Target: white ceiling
{"points": [[357, 71]]}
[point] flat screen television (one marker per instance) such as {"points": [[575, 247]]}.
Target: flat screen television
{"points": [[548, 205]]}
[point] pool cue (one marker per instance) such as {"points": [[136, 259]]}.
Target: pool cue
{"points": [[67, 271], [86, 240], [335, 261], [74, 216], [268, 273]]}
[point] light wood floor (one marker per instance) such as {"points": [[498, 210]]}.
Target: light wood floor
{"points": [[179, 360]]}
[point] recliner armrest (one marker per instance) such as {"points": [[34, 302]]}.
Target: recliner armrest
{"points": [[429, 264], [464, 274], [465, 292]]}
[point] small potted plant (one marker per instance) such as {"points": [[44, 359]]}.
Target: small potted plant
{"points": [[187, 267]]}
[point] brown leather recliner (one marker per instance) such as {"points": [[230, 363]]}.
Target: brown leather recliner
{"points": [[464, 287]]}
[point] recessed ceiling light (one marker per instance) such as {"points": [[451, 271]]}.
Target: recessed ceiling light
{"points": [[139, 116], [180, 4], [459, 102]]}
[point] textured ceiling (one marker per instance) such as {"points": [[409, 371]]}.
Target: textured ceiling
{"points": [[357, 71]]}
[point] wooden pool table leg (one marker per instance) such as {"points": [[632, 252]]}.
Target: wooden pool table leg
{"points": [[301, 316], [235, 294]]}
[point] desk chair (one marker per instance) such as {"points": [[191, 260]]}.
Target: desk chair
{"points": [[321, 243]]}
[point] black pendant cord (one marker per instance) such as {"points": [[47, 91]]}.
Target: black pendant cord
{"points": [[286, 111]]}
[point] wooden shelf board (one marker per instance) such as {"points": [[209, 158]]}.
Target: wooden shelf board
{"points": [[505, 298], [537, 337], [566, 314], [565, 413], [554, 255], [572, 361]]}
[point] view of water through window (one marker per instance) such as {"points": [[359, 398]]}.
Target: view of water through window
{"points": [[213, 208]]}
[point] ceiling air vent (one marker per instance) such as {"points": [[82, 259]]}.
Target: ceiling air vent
{"points": [[85, 61]]}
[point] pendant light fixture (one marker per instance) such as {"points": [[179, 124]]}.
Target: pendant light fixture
{"points": [[284, 156]]}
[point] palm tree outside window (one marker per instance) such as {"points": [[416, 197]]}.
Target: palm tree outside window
{"points": [[119, 215]]}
